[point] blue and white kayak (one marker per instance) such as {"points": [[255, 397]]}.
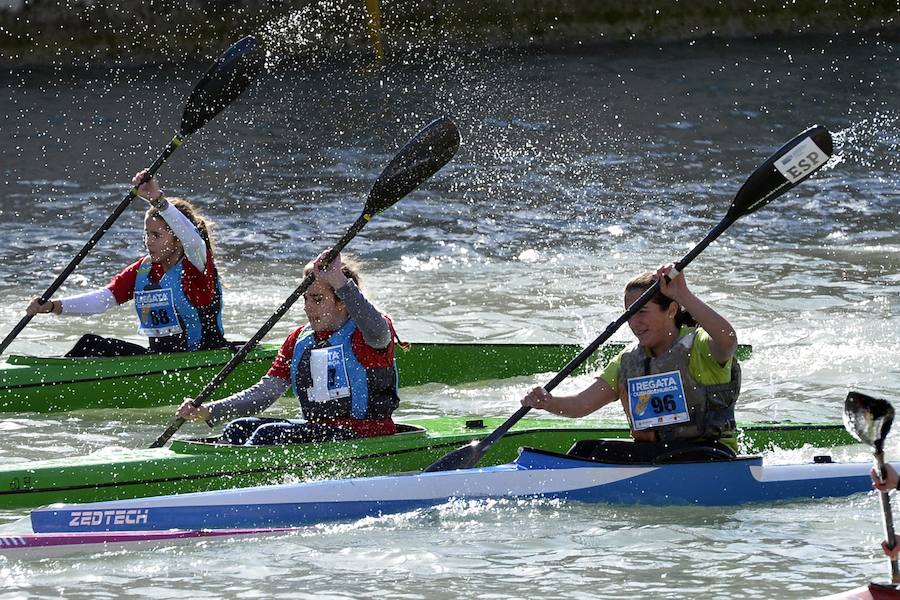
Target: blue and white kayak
{"points": [[535, 474]]}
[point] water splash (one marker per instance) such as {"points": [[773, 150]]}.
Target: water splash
{"points": [[870, 142], [315, 33]]}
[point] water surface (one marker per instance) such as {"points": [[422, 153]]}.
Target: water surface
{"points": [[577, 171]]}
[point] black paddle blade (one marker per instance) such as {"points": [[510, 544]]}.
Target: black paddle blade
{"points": [[223, 82], [419, 159], [465, 457], [868, 419], [792, 164]]}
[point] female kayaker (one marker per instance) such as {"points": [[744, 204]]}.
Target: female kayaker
{"points": [[679, 383], [341, 366], [175, 288]]}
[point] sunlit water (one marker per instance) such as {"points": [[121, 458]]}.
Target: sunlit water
{"points": [[577, 170]]}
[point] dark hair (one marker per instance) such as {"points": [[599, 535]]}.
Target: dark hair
{"points": [[350, 269], [193, 214], [648, 278]]}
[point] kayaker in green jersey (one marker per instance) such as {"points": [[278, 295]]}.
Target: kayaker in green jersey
{"points": [[679, 383], [175, 286]]}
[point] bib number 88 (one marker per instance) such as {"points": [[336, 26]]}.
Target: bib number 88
{"points": [[159, 317]]}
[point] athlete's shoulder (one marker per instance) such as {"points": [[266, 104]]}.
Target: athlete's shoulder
{"points": [[122, 284]]}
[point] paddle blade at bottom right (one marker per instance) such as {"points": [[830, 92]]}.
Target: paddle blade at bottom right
{"points": [[868, 419]]}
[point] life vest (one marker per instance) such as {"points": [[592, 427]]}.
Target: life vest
{"points": [[331, 383], [660, 394], [168, 318]]}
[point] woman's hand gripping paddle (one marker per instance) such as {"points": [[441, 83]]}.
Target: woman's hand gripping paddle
{"points": [[793, 163], [223, 82], [869, 420], [419, 159]]}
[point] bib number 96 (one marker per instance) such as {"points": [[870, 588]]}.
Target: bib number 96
{"points": [[663, 404]]}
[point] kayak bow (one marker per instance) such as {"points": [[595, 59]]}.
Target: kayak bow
{"points": [[873, 591]]}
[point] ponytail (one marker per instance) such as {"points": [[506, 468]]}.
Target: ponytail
{"points": [[684, 319]]}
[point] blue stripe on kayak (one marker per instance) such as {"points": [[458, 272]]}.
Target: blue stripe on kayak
{"points": [[193, 517], [706, 484]]}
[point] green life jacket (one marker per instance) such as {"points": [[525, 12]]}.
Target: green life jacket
{"points": [[710, 407]]}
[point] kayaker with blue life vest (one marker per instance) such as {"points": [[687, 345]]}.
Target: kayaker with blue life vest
{"points": [[175, 287], [340, 365], [678, 383]]}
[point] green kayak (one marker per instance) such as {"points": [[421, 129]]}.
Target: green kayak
{"points": [[42, 384], [189, 466]]}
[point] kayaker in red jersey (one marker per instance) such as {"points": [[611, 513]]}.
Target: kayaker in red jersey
{"points": [[341, 367], [679, 383], [891, 481], [175, 287]]}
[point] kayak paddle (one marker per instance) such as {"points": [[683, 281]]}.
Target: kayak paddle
{"points": [[869, 420], [793, 163], [428, 151], [223, 82]]}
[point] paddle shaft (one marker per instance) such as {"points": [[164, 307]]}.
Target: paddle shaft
{"points": [[107, 224], [241, 354], [479, 450], [887, 515]]}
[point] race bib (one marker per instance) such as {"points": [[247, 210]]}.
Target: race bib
{"points": [[657, 400], [329, 374], [156, 313]]}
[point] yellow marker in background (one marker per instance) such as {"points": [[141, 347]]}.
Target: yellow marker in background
{"points": [[374, 8]]}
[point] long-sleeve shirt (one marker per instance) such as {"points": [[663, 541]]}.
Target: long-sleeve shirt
{"points": [[199, 277], [372, 345]]}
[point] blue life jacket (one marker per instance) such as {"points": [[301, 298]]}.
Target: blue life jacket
{"points": [[331, 383], [168, 318]]}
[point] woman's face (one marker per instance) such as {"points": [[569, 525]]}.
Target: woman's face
{"points": [[652, 325], [323, 309], [162, 245]]}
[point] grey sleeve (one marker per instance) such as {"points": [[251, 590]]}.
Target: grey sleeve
{"points": [[371, 322], [251, 401]]}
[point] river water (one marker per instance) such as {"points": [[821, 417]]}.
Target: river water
{"points": [[577, 170]]}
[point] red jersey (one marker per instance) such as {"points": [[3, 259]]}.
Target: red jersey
{"points": [[367, 356], [200, 288]]}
